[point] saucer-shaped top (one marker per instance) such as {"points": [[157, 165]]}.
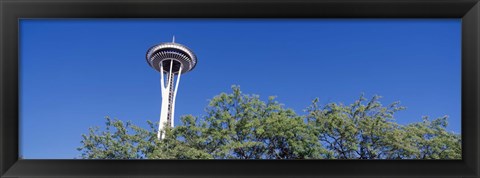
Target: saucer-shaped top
{"points": [[165, 53]]}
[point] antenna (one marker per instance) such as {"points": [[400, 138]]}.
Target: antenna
{"points": [[173, 39]]}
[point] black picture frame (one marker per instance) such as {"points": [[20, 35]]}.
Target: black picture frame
{"points": [[13, 10]]}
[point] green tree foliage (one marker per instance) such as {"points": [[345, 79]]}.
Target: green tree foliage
{"points": [[367, 130], [240, 126]]}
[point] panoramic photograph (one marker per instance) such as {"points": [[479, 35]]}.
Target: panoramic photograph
{"points": [[377, 89]]}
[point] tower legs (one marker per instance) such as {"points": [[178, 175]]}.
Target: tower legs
{"points": [[169, 93]]}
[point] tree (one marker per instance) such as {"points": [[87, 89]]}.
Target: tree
{"points": [[244, 127], [367, 130], [127, 141], [431, 140], [239, 126]]}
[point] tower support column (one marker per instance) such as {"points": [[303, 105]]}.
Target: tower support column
{"points": [[169, 93]]}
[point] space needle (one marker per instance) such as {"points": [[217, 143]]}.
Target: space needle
{"points": [[171, 60]]}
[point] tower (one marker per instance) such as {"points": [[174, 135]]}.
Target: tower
{"points": [[171, 60]]}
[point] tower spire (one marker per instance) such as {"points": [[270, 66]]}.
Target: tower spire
{"points": [[173, 39]]}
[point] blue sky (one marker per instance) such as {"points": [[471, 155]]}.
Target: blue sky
{"points": [[73, 73]]}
